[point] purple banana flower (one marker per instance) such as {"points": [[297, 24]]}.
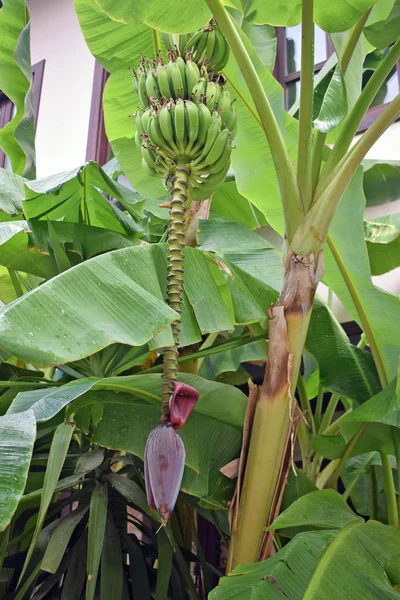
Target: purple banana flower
{"points": [[164, 461], [164, 455], [183, 400]]}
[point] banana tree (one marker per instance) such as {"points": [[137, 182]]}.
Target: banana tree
{"points": [[109, 366]]}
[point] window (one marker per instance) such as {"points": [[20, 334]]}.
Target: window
{"points": [[98, 147], [7, 107], [287, 69]]}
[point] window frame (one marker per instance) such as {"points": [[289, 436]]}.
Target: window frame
{"points": [[98, 147], [280, 74], [6, 115]]}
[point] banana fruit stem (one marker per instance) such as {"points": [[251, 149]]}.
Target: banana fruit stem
{"points": [[176, 236]]}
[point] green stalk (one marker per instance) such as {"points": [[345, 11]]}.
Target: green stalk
{"points": [[373, 493], [16, 283], [318, 407], [305, 402], [319, 137], [396, 441], [325, 475], [319, 217], [317, 152], [357, 477], [330, 411], [306, 105], [352, 42], [358, 303], [175, 281], [156, 42], [393, 514], [272, 425], [346, 455], [283, 165], [356, 115], [305, 448]]}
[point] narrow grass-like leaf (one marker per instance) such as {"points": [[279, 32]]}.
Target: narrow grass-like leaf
{"points": [[96, 532], [111, 563], [59, 540], [58, 451]]}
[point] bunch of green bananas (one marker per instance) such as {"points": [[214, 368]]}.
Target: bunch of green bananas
{"points": [[185, 131], [215, 97], [175, 42], [174, 79], [206, 47]]}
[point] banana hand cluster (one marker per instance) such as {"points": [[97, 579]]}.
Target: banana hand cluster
{"points": [[206, 47], [215, 97], [174, 79], [185, 131], [209, 47]]}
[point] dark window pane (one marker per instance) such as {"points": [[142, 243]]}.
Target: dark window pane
{"points": [[292, 92], [388, 91], [293, 47]]}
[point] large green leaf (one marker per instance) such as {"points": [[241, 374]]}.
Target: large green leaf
{"points": [[343, 368], [181, 17], [228, 203], [379, 310], [115, 297], [96, 533], [358, 561], [383, 243], [11, 192], [381, 183], [17, 434], [335, 16], [17, 137], [118, 47], [130, 409], [77, 196], [382, 34], [330, 101], [252, 159], [17, 253], [379, 415]]}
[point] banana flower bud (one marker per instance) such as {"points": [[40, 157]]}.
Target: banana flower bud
{"points": [[164, 461]]}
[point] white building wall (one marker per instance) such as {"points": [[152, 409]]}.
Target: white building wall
{"points": [[63, 121]]}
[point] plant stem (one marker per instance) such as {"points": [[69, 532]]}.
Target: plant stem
{"points": [[373, 496], [326, 474], [318, 407], [352, 42], [272, 426], [357, 476], [175, 281], [306, 104], [320, 215], [361, 313], [16, 283], [283, 165], [333, 428], [346, 455], [354, 118], [393, 515], [305, 449], [305, 402], [316, 157], [156, 42], [329, 412]]}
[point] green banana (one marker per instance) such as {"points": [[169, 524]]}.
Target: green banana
{"points": [[142, 90], [182, 68], [145, 118], [151, 171], [180, 125], [163, 81], [205, 119], [192, 123], [221, 51], [138, 121], [223, 159], [212, 95], [197, 45], [151, 85], [175, 80], [164, 117], [199, 90], [210, 45], [212, 134], [138, 140], [217, 148], [192, 75]]}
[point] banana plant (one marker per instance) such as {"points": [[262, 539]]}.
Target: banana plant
{"points": [[186, 299]]}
